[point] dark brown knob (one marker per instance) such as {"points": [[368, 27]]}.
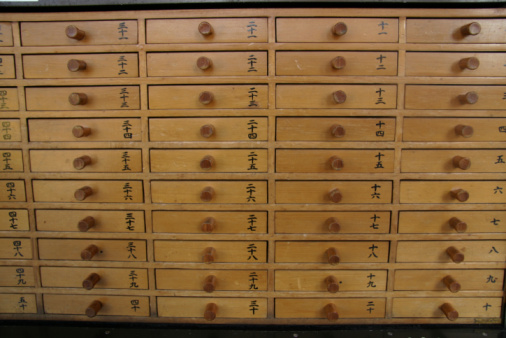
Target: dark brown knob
{"points": [[80, 131], [460, 162], [338, 62], [93, 309], [471, 63], [90, 281], [204, 63], [335, 196], [209, 255], [337, 130], [86, 223], [451, 284], [339, 29], [336, 163], [331, 312], [449, 311], [210, 311], [458, 225], [90, 251], [207, 162], [206, 97], [332, 284], [459, 194], [207, 194], [332, 224], [81, 193], [473, 28], [208, 225], [463, 130], [468, 98], [78, 99], [81, 162], [74, 33], [455, 254], [205, 28], [207, 130], [332, 256], [210, 283], [339, 96], [75, 65]]}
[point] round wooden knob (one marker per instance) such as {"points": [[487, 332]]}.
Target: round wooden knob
{"points": [[207, 194], [93, 309], [207, 130], [208, 225], [460, 162], [468, 98], [335, 196], [205, 28], [332, 224], [204, 63], [90, 281], [332, 256], [459, 194], [339, 29], [332, 284], [337, 130], [210, 311], [90, 251], [75, 65], [455, 254], [336, 163], [210, 283], [81, 162], [451, 284], [207, 162], [81, 193], [78, 99], [80, 131], [458, 225], [470, 63], [86, 224], [209, 255], [473, 28], [75, 33], [463, 130], [449, 311], [206, 97], [338, 62], [331, 312], [339, 96]]}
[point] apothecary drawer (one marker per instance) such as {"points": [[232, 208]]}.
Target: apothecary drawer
{"points": [[11, 130], [18, 303], [14, 220], [6, 28], [16, 248], [12, 160], [12, 191], [332, 309], [8, 101], [18, 276], [7, 66]]}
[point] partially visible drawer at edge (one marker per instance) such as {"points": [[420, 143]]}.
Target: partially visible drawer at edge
{"points": [[6, 29], [7, 68], [68, 304]]}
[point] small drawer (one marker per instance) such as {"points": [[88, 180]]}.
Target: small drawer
{"points": [[453, 192], [6, 34], [79, 33], [206, 30], [338, 63], [334, 161], [449, 280], [325, 192], [331, 309], [92, 250], [84, 130], [330, 280], [212, 308], [11, 161], [211, 280], [450, 251], [86, 161], [252, 192], [455, 30], [454, 129], [12, 191], [94, 278], [82, 98], [216, 222], [375, 30], [90, 220], [96, 305], [208, 160], [204, 129], [17, 276], [74, 191], [336, 96], [210, 251], [336, 129], [333, 253], [14, 220], [455, 97], [252, 96], [310, 222], [8, 100], [455, 64], [252, 63], [63, 66], [18, 303], [11, 131], [7, 67], [16, 248]]}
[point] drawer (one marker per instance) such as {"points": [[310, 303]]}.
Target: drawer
{"points": [[87, 191], [249, 96], [16, 248], [94, 278], [455, 64], [452, 192], [12, 191], [455, 97], [426, 222], [449, 280], [218, 222], [336, 96], [82, 98], [208, 160], [337, 30], [68, 130], [333, 253], [12, 161], [212, 308], [467, 30], [454, 129], [208, 129], [210, 251], [334, 161], [206, 30], [11, 131], [86, 160], [336, 129], [7, 68], [439, 252], [90, 220], [310, 222], [18, 303], [14, 220], [211, 280], [134, 305], [336, 63], [63, 66], [213, 192], [79, 33], [16, 276], [6, 34], [344, 192], [250, 63], [330, 280], [331, 309], [9, 99], [93, 249]]}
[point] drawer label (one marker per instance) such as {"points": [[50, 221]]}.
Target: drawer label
{"points": [[8, 99], [18, 303], [12, 161], [122, 31], [13, 220], [12, 191], [15, 248]]}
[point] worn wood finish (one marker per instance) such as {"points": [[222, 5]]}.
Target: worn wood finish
{"points": [[111, 305], [346, 307]]}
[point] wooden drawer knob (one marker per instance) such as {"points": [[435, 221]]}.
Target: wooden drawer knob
{"points": [[449, 311], [75, 33], [207, 130], [332, 224], [472, 28], [208, 225], [336, 163], [339, 96], [455, 254], [335, 196], [206, 97], [90, 281], [81, 162], [93, 309], [80, 131], [331, 312], [205, 28], [209, 255], [207, 194], [459, 194], [332, 256], [86, 224], [339, 29], [468, 98], [204, 63], [470, 63], [458, 225], [337, 130], [332, 284], [210, 283], [75, 65], [463, 130], [78, 99], [451, 284], [460, 162], [207, 162], [338, 62], [90, 251], [81, 193], [210, 311]]}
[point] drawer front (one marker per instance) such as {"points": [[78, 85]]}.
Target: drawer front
{"points": [[200, 251], [431, 307], [118, 32], [224, 280], [12, 161], [218, 222], [322, 30], [7, 68], [316, 308], [336, 96], [16, 248], [14, 220], [17, 276], [8, 100], [12, 191], [6, 34], [108, 250], [251, 63], [86, 160], [135, 306], [63, 66], [82, 98], [11, 130], [86, 130], [206, 30], [18, 303]]}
